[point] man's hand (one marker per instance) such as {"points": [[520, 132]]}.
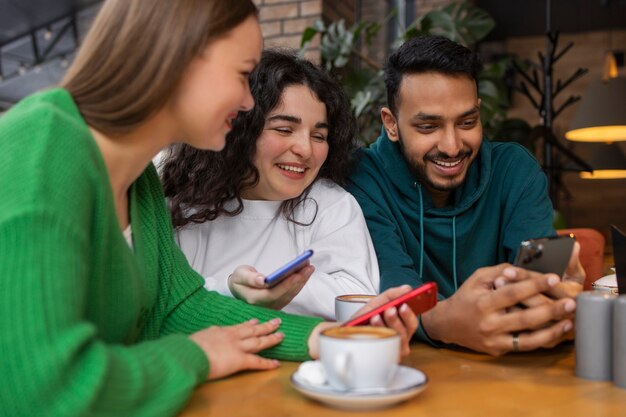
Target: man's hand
{"points": [[569, 287], [477, 316], [247, 284]]}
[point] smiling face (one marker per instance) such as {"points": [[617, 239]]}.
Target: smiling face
{"points": [[292, 148], [438, 127], [214, 88]]}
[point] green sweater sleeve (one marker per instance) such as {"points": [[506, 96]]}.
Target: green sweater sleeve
{"points": [[54, 361], [185, 306], [190, 312], [88, 327]]}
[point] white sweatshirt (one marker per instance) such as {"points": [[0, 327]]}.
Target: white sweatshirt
{"points": [[261, 236]]}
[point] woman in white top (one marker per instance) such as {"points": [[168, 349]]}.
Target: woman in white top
{"points": [[272, 193]]}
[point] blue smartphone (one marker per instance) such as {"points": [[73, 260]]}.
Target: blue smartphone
{"points": [[289, 268]]}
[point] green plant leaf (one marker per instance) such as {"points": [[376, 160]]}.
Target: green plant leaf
{"points": [[357, 79], [358, 27], [308, 34], [371, 31], [487, 88], [461, 21], [360, 102]]}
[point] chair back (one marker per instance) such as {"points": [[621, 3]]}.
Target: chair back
{"points": [[591, 252]]}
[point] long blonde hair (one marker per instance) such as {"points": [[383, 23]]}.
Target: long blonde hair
{"points": [[134, 55]]}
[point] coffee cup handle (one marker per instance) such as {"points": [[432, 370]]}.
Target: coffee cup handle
{"points": [[342, 368]]}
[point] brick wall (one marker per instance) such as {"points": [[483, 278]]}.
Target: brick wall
{"points": [[425, 6], [375, 11], [333, 10], [283, 21]]}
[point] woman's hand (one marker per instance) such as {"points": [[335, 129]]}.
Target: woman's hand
{"points": [[402, 320], [232, 349], [247, 284]]}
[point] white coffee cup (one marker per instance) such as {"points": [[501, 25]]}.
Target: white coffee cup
{"points": [[347, 305], [359, 357]]}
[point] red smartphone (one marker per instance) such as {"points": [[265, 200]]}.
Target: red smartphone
{"points": [[420, 300]]}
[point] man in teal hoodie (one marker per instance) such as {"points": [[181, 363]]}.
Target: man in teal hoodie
{"points": [[441, 203]]}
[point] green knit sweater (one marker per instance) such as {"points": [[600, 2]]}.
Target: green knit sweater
{"points": [[88, 326]]}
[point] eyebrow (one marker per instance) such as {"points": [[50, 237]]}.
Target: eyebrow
{"points": [[294, 119], [421, 117]]}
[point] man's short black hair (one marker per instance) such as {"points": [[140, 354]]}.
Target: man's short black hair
{"points": [[428, 54]]}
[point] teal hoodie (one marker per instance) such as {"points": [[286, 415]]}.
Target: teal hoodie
{"points": [[503, 201]]}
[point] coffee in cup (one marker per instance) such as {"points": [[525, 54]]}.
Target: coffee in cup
{"points": [[347, 305], [359, 357]]}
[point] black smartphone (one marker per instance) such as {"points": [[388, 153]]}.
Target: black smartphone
{"points": [[289, 268], [546, 255]]}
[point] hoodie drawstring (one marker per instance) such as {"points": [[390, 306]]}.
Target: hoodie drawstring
{"points": [[456, 285], [419, 189]]}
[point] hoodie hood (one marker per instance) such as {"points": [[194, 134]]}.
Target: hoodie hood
{"points": [[389, 156], [502, 201]]}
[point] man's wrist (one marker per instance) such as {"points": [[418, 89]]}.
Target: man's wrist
{"points": [[433, 322]]}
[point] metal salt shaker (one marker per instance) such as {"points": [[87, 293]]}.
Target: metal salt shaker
{"points": [[594, 328], [619, 341]]}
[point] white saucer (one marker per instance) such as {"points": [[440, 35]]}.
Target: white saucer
{"points": [[607, 283], [407, 383]]}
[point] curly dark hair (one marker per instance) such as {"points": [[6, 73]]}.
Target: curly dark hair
{"points": [[199, 183]]}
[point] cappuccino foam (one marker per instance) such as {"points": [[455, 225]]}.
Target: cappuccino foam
{"points": [[360, 332]]}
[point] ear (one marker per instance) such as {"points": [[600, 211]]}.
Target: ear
{"points": [[390, 123]]}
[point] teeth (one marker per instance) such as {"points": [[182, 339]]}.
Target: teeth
{"points": [[291, 168], [447, 164]]}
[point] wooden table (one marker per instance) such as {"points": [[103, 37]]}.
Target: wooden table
{"points": [[460, 384]]}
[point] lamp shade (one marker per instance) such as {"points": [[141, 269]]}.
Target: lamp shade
{"points": [[601, 115], [608, 162]]}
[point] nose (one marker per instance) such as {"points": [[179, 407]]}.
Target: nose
{"points": [[248, 101], [451, 142], [302, 146]]}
